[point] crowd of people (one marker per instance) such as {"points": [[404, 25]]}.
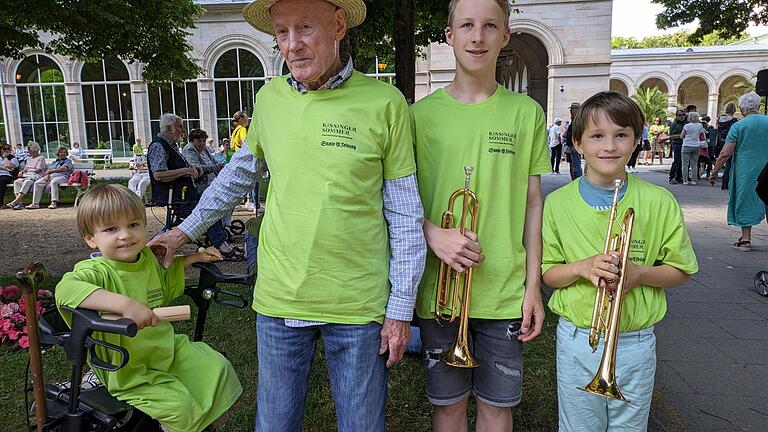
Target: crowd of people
{"points": [[352, 238]]}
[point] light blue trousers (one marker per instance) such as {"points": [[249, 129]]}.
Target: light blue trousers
{"points": [[576, 366]]}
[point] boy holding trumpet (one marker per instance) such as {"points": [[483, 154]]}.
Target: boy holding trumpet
{"points": [[185, 386], [659, 256]]}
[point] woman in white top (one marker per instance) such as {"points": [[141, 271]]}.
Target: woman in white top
{"points": [[76, 152], [692, 136], [32, 172]]}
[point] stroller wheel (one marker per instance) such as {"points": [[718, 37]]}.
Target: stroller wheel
{"points": [[761, 283], [237, 227]]}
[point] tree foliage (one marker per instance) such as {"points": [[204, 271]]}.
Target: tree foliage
{"points": [[652, 102], [375, 36], [729, 17], [152, 32], [678, 39]]}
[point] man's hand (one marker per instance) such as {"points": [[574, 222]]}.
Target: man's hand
{"points": [[456, 250], [165, 245], [533, 315], [140, 314], [712, 178], [394, 338]]}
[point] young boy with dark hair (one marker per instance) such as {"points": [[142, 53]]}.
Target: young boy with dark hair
{"points": [[184, 385], [573, 263], [476, 122]]}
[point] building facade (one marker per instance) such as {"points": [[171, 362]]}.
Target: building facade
{"points": [[559, 53]]}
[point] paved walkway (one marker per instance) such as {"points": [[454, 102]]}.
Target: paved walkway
{"points": [[712, 347]]}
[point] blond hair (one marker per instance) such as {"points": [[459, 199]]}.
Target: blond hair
{"points": [[503, 4], [104, 203]]}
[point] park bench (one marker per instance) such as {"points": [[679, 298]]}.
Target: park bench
{"points": [[77, 165], [100, 155]]}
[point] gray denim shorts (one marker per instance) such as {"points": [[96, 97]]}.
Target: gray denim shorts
{"points": [[498, 381]]}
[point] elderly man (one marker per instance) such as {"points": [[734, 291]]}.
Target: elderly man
{"points": [[170, 173], [341, 250]]}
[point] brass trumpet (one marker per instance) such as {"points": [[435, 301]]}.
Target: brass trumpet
{"points": [[453, 288], [606, 313]]}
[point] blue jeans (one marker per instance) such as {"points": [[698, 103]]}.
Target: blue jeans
{"points": [[357, 372], [575, 169]]}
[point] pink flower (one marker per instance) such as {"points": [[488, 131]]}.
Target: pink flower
{"points": [[10, 292], [13, 334], [22, 305], [24, 342], [8, 310]]}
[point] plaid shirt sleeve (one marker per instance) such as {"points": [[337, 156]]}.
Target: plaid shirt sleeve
{"points": [[237, 178], [404, 215]]}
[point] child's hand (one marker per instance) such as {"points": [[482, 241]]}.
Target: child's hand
{"points": [[632, 278], [601, 269], [140, 314], [450, 246], [209, 254]]}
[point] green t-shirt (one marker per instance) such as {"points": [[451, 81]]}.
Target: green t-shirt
{"points": [[160, 363], [323, 249], [572, 231], [505, 139]]}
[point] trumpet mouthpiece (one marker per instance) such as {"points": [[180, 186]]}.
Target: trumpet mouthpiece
{"points": [[618, 183], [468, 170]]}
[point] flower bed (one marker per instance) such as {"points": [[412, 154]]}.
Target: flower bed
{"points": [[13, 323]]}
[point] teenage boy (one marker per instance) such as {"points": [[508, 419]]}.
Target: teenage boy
{"points": [[476, 122], [573, 263]]}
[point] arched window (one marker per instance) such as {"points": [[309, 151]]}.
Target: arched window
{"points": [[42, 103], [108, 106], [178, 99], [237, 75]]}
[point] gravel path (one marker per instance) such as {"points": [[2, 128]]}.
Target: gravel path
{"points": [[58, 245]]}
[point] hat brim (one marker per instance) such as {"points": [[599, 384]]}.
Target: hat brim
{"points": [[256, 13]]}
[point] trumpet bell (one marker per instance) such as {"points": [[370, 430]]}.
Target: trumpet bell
{"points": [[603, 387], [459, 356]]}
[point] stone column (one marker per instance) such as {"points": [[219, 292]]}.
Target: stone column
{"points": [[712, 101], [206, 101], [11, 113], [141, 117], [75, 113], [672, 103]]}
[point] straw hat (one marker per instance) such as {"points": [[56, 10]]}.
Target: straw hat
{"points": [[257, 13]]}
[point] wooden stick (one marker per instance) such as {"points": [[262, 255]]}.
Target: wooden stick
{"points": [[165, 314], [28, 279]]}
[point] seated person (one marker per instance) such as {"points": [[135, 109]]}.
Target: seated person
{"points": [[169, 171], [57, 173], [9, 166], [32, 172], [76, 152], [139, 182], [184, 385], [21, 153]]}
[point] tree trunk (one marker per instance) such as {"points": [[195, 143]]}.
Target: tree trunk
{"points": [[405, 48]]}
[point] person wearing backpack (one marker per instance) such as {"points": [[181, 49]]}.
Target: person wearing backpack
{"points": [[723, 126]]}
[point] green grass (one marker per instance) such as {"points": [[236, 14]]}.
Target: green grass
{"points": [[232, 332]]}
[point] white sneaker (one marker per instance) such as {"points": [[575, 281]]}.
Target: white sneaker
{"points": [[685, 182], [693, 183]]}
